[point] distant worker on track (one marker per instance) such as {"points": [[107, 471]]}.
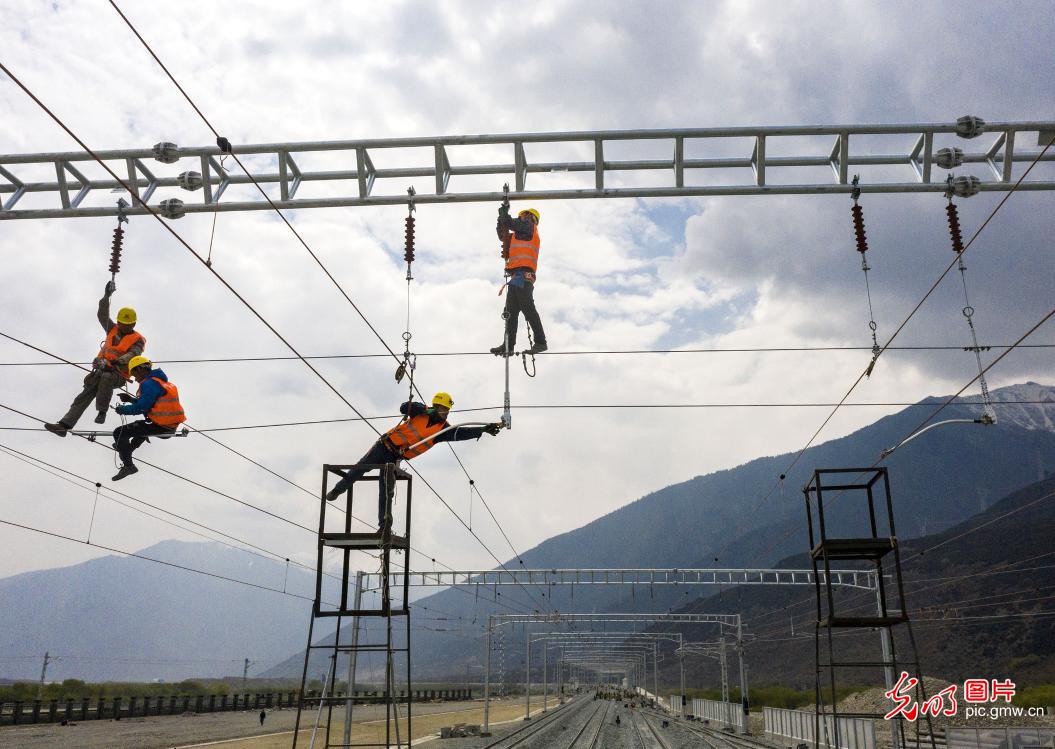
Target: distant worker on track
{"points": [[521, 267], [405, 441], [158, 400], [110, 368]]}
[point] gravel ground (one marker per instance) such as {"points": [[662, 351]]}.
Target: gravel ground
{"points": [[164, 732]]}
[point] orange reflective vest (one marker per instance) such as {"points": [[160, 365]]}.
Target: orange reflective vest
{"points": [[167, 411], [404, 435], [111, 350], [524, 253]]}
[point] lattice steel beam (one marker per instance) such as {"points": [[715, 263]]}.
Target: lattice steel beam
{"points": [[862, 579], [758, 171], [726, 620]]}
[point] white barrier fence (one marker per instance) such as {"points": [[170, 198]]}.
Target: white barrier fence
{"points": [[999, 738], [724, 713], [854, 733]]}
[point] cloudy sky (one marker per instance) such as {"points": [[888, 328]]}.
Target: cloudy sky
{"points": [[617, 274]]}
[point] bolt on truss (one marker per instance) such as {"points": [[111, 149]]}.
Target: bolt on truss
{"points": [[352, 176], [862, 579]]}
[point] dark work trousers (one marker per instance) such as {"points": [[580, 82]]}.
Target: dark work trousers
{"points": [[521, 298], [130, 436], [378, 454], [99, 386]]}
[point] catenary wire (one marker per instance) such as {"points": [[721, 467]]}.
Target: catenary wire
{"points": [[91, 486], [611, 352], [274, 556], [433, 559], [245, 457], [585, 406], [897, 331], [994, 569], [332, 279], [244, 301]]}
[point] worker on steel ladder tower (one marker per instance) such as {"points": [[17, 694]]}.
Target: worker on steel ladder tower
{"points": [[406, 440], [521, 267], [110, 368]]}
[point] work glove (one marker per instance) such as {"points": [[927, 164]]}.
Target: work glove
{"points": [[126, 397], [493, 429], [111, 287]]}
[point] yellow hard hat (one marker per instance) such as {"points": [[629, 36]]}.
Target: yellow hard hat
{"points": [[126, 316], [443, 399], [533, 212], [138, 361]]}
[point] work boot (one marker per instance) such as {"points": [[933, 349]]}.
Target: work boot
{"points": [[538, 348], [100, 418], [59, 428], [126, 470], [333, 494], [500, 350]]}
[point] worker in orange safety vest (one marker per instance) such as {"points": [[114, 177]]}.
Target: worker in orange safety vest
{"points": [[110, 368], [157, 400], [421, 428], [521, 267]]}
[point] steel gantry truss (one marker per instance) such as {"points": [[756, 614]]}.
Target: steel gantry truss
{"points": [[760, 158], [861, 579], [590, 642], [725, 622]]}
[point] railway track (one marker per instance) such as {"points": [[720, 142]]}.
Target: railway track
{"points": [[649, 738], [543, 732], [715, 739], [585, 739]]}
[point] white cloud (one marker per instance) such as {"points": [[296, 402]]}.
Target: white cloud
{"points": [[614, 274]]}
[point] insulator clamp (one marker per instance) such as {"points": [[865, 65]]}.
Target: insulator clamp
{"points": [[172, 208], [190, 181], [949, 158], [964, 186], [970, 126], [166, 153]]}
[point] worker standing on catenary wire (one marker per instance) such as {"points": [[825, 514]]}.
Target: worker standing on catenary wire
{"points": [[158, 400], [110, 368], [404, 441], [521, 266]]}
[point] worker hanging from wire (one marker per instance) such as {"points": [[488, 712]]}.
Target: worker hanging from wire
{"points": [[110, 367], [857, 216], [520, 250], [158, 400], [421, 428]]}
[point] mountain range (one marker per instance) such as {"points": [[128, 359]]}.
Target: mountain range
{"points": [[125, 618]]}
